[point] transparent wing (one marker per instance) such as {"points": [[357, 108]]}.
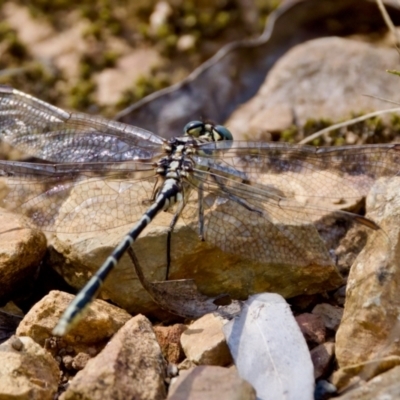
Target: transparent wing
{"points": [[305, 173], [271, 202], [50, 133], [76, 198]]}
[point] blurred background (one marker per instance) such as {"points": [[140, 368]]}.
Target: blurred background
{"points": [[101, 56]]}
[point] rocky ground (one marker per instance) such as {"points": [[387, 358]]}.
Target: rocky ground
{"points": [[341, 329]]}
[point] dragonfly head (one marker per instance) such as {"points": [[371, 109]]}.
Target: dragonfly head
{"points": [[215, 133]]}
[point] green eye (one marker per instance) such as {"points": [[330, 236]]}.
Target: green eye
{"points": [[194, 128], [199, 128], [223, 132]]}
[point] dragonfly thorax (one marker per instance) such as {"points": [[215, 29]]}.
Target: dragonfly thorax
{"points": [[177, 162]]}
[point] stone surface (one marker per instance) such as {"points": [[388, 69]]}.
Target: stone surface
{"points": [[131, 366], [204, 342], [169, 339], [371, 316], [112, 82], [322, 357], [385, 386], [357, 374], [100, 322], [303, 85], [269, 349], [331, 315], [211, 383], [27, 371], [313, 328], [22, 249], [268, 259]]}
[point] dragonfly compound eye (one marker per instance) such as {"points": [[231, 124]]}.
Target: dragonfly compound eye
{"points": [[194, 128], [222, 132]]}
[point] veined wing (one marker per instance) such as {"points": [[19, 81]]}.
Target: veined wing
{"points": [[262, 224], [58, 197], [310, 175], [50, 133]]}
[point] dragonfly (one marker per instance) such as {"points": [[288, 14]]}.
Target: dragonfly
{"points": [[221, 187]]}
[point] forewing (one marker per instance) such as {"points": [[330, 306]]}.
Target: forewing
{"points": [[311, 175], [50, 133]]}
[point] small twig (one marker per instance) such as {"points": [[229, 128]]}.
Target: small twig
{"points": [[388, 21], [382, 98], [347, 123]]}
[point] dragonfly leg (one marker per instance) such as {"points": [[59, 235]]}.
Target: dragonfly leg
{"points": [[201, 211]]}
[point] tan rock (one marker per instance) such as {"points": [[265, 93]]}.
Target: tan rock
{"points": [[30, 30], [169, 339], [204, 342], [303, 85], [99, 323], [322, 357], [130, 366], [384, 386], [112, 82], [80, 360], [22, 249], [331, 315], [211, 383], [261, 257], [27, 371], [357, 374], [372, 310]]}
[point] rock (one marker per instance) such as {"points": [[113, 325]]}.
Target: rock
{"points": [[357, 374], [268, 347], [111, 82], [30, 30], [80, 360], [313, 328], [169, 339], [340, 296], [331, 315], [322, 357], [186, 364], [204, 342], [100, 322], [372, 309], [130, 366], [384, 386], [277, 264], [27, 371], [303, 85], [211, 383], [22, 249]]}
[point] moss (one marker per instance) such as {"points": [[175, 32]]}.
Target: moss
{"points": [[13, 51], [289, 135], [144, 86], [211, 23], [81, 95], [36, 79], [370, 131]]}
